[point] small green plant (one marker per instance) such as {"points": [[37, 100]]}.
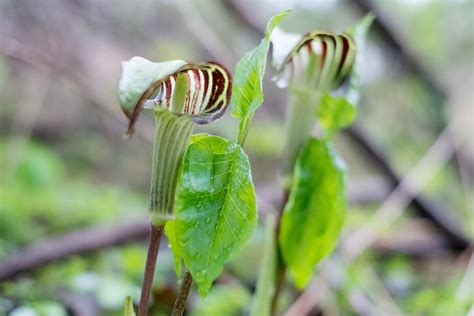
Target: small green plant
{"points": [[313, 205], [202, 193]]}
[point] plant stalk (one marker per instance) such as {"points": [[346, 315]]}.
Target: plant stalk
{"points": [[183, 293], [172, 136], [153, 247], [171, 139], [281, 268], [300, 118]]}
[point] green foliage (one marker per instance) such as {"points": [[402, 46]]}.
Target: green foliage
{"points": [[261, 305], [313, 217], [215, 207], [247, 93], [335, 113], [228, 300], [40, 308], [128, 308], [57, 201]]}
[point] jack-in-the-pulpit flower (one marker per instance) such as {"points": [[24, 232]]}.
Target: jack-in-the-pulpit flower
{"points": [[180, 94], [201, 91], [319, 60], [309, 66]]}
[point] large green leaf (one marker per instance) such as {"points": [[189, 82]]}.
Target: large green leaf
{"points": [[215, 206], [247, 93], [261, 305], [314, 214], [335, 113]]}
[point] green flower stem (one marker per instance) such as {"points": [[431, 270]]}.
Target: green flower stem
{"points": [[172, 136], [301, 115], [280, 266], [183, 293], [299, 121]]}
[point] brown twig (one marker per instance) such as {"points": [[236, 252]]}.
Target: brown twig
{"points": [[156, 232], [423, 206], [75, 243], [183, 293]]}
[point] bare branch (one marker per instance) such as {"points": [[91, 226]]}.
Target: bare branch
{"points": [[75, 243]]}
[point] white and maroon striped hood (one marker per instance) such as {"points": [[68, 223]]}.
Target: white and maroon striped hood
{"points": [[204, 94]]}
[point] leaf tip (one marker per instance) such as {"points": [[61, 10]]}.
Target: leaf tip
{"points": [[128, 307], [275, 20]]}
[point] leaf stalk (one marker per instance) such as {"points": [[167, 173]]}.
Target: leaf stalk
{"points": [[183, 293]]}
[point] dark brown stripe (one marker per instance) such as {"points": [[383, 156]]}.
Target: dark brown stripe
{"points": [[187, 100], [323, 55], [197, 83], [205, 74], [218, 81], [345, 50]]}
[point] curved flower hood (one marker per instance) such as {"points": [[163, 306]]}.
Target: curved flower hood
{"points": [[319, 59], [201, 91]]}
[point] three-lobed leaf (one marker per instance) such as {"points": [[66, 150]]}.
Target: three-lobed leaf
{"points": [[314, 214], [247, 93], [215, 207]]}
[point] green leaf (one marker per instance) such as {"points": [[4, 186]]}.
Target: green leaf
{"points": [[128, 310], [359, 33], [247, 93], [314, 214], [215, 206], [261, 305], [137, 76], [335, 113]]}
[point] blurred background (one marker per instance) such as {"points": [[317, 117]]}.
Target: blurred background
{"points": [[73, 193]]}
